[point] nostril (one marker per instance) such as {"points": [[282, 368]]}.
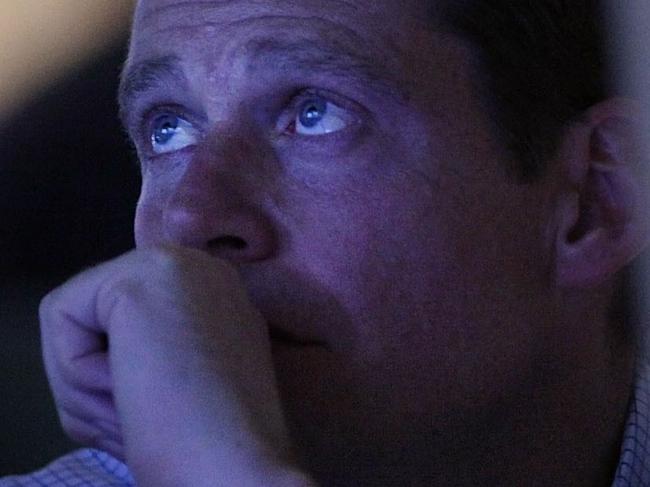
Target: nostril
{"points": [[228, 242]]}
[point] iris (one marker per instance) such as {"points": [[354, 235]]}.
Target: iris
{"points": [[164, 129], [313, 113]]}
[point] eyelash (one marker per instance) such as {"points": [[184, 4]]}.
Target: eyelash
{"points": [[145, 122], [284, 118]]}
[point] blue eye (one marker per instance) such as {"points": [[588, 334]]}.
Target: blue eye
{"points": [[171, 133], [312, 113], [320, 117]]}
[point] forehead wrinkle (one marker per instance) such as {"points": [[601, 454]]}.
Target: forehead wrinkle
{"points": [[180, 17], [205, 8], [305, 55], [295, 44], [280, 33], [298, 54], [330, 48]]}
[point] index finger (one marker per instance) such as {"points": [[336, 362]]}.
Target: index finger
{"points": [[73, 332]]}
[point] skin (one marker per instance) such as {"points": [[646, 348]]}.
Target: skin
{"points": [[448, 333]]}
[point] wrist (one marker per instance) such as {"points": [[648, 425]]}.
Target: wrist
{"points": [[199, 471]]}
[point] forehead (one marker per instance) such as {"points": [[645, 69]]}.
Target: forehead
{"points": [[209, 25], [227, 11], [210, 48]]}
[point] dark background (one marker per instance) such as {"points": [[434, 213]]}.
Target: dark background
{"points": [[68, 188]]}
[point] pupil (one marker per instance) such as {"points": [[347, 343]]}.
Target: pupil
{"points": [[165, 129], [313, 113]]}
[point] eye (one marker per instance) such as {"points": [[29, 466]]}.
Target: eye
{"points": [[319, 117], [170, 133]]}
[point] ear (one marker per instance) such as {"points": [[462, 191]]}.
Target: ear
{"points": [[603, 220]]}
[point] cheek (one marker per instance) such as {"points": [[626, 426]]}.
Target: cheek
{"points": [[417, 267], [367, 247]]}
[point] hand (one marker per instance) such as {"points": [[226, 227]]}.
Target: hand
{"points": [[159, 358]]}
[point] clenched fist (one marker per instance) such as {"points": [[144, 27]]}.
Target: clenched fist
{"points": [[159, 358]]}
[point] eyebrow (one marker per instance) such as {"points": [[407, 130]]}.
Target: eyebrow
{"points": [[295, 57], [146, 76]]}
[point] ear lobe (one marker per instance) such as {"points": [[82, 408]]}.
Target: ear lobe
{"points": [[603, 217]]}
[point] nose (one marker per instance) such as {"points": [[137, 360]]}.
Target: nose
{"points": [[214, 209]]}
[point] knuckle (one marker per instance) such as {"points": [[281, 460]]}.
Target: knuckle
{"points": [[166, 254], [121, 294], [65, 408], [46, 306], [175, 263], [77, 429], [166, 260], [51, 311], [118, 289], [184, 264]]}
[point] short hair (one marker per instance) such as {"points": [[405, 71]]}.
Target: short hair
{"points": [[542, 63]]}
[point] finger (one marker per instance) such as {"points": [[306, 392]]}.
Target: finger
{"points": [[112, 447], [94, 435], [87, 432], [110, 438], [90, 407], [87, 370], [76, 301], [73, 336]]}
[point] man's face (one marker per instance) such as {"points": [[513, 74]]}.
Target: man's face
{"points": [[337, 152]]}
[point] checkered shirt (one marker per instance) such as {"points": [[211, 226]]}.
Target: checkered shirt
{"points": [[83, 468], [634, 466], [93, 468]]}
